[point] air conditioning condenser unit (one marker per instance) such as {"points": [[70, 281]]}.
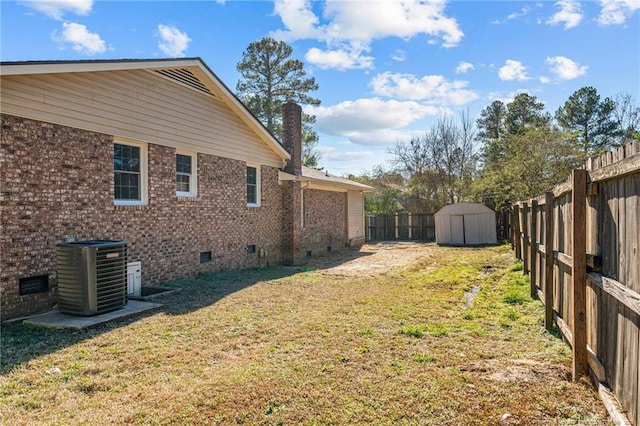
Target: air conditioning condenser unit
{"points": [[92, 276]]}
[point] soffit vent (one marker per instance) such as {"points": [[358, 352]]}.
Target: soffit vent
{"points": [[185, 77]]}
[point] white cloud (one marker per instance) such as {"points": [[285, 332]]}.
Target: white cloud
{"points": [[329, 153], [347, 31], [513, 70], [341, 59], [434, 88], [81, 39], [463, 67], [523, 12], [377, 138], [391, 19], [503, 97], [363, 116], [57, 8], [399, 55], [566, 69], [545, 80], [570, 14], [616, 12], [173, 42], [299, 19], [515, 15]]}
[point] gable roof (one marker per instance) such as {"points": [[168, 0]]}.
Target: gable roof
{"points": [[188, 72]]}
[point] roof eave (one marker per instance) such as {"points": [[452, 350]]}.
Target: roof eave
{"points": [[283, 176], [55, 67]]}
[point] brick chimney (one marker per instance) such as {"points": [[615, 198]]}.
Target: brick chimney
{"points": [[292, 136], [293, 252]]}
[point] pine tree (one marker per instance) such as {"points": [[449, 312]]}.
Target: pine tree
{"points": [[269, 78], [590, 120]]}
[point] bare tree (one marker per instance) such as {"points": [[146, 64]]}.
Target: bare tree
{"points": [[627, 115], [439, 166]]}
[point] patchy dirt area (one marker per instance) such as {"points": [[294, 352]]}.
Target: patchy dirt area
{"points": [[518, 370], [375, 259]]}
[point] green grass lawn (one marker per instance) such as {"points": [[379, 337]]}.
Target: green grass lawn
{"points": [[305, 346]]}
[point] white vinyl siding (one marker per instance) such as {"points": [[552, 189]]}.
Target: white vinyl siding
{"points": [[355, 213], [139, 105]]}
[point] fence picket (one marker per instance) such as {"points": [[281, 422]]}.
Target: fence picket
{"points": [[579, 272]]}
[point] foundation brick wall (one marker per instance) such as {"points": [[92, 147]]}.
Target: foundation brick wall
{"points": [[57, 181]]}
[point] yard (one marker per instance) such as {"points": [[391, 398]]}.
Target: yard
{"points": [[397, 333]]}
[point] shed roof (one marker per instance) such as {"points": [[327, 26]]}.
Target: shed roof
{"points": [[464, 208]]}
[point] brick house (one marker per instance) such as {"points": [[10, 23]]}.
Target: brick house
{"points": [[161, 154]]}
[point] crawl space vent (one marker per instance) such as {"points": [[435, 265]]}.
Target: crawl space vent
{"points": [[205, 257], [38, 284]]}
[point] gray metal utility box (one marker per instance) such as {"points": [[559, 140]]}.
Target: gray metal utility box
{"points": [[92, 276]]}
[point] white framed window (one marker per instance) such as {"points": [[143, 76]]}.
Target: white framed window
{"points": [[186, 174], [129, 173], [253, 185]]}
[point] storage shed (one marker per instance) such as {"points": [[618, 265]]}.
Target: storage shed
{"points": [[465, 224]]}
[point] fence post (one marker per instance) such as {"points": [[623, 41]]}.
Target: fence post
{"points": [[516, 231], [533, 249], [410, 221], [397, 226], [525, 237], [579, 271], [548, 260], [512, 227]]}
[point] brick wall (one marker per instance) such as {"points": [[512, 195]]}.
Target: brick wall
{"points": [[325, 222], [57, 181]]}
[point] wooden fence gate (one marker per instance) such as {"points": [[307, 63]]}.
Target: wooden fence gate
{"points": [[580, 244], [405, 226]]}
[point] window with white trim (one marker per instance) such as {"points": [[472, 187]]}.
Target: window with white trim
{"points": [[129, 173], [253, 186], [186, 174]]}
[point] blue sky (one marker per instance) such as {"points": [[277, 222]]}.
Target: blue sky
{"points": [[386, 69]]}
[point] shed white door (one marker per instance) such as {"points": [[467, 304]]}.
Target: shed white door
{"points": [[457, 229], [472, 229]]}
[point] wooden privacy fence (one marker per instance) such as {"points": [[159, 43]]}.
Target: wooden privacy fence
{"points": [[400, 226], [580, 244]]}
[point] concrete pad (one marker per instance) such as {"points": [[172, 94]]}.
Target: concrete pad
{"points": [[56, 319]]}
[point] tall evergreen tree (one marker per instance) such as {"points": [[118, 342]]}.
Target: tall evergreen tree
{"points": [[528, 156], [491, 130], [269, 78], [590, 120], [525, 113]]}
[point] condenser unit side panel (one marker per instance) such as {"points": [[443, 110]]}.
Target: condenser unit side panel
{"points": [[72, 278]]}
